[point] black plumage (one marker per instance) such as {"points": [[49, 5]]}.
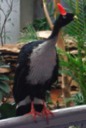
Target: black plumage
{"points": [[37, 69]]}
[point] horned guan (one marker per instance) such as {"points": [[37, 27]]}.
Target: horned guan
{"points": [[37, 70]]}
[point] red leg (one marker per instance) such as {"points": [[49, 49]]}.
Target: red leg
{"points": [[33, 112], [46, 112]]}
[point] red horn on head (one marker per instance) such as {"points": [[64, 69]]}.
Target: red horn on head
{"points": [[61, 9]]}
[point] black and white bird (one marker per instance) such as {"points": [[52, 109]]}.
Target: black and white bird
{"points": [[37, 70]]}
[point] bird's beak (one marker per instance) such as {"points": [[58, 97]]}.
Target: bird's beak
{"points": [[75, 17]]}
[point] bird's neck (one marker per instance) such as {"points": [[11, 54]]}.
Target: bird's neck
{"points": [[55, 31]]}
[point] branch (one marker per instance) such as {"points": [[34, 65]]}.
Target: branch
{"points": [[8, 3], [47, 15], [5, 20], [55, 6]]}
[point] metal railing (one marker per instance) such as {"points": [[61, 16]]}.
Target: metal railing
{"points": [[73, 117]]}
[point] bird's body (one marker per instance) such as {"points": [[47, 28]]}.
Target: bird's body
{"points": [[37, 70]]}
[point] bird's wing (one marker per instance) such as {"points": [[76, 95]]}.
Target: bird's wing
{"points": [[26, 51], [23, 67]]}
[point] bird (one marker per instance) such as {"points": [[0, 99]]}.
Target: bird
{"points": [[37, 70]]}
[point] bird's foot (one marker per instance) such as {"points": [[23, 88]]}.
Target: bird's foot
{"points": [[33, 112], [46, 112]]}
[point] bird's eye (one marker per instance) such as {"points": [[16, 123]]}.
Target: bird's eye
{"points": [[64, 17]]}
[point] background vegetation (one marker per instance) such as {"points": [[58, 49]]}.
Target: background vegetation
{"points": [[76, 65]]}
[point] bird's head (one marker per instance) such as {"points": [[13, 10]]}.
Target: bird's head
{"points": [[64, 17]]}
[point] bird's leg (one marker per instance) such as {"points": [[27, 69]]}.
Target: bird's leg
{"points": [[33, 112], [46, 112]]}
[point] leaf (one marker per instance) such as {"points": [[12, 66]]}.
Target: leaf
{"points": [[7, 110], [64, 63], [69, 73], [4, 87], [78, 98], [1, 95], [4, 78]]}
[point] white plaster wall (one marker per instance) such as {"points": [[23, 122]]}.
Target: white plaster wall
{"points": [[27, 12], [12, 31]]}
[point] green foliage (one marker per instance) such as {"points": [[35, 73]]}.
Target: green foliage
{"points": [[76, 65], [4, 87], [28, 34], [79, 26], [7, 110], [41, 24], [50, 8], [77, 99], [48, 99]]}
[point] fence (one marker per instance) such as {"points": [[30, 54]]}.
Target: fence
{"points": [[73, 117]]}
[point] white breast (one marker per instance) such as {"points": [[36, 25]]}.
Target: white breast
{"points": [[43, 61]]}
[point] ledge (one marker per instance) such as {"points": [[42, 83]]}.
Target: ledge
{"points": [[62, 117]]}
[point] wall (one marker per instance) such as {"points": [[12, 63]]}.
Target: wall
{"points": [[12, 27], [30, 10], [26, 9]]}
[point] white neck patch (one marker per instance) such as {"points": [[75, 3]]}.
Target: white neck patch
{"points": [[23, 102]]}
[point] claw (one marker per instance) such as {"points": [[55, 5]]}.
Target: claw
{"points": [[33, 112], [46, 112]]}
